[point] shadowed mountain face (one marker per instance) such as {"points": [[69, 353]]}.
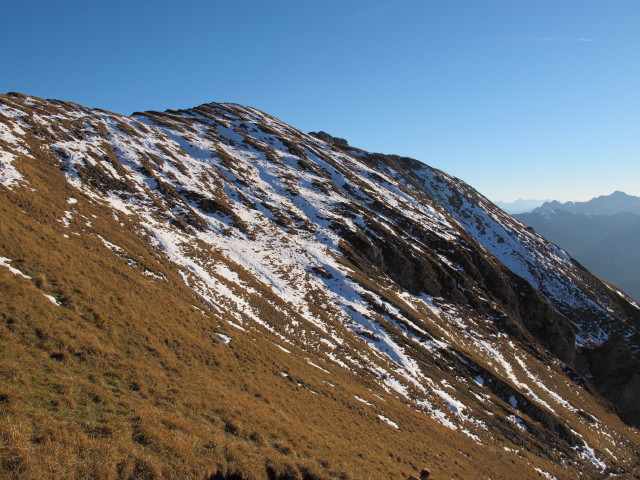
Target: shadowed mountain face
{"points": [[215, 293], [605, 244]]}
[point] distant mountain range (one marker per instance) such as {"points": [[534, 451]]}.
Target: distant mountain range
{"points": [[617, 202], [520, 205], [601, 233]]}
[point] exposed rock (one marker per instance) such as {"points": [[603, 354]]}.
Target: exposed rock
{"points": [[325, 137]]}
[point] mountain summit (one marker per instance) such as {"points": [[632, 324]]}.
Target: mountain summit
{"points": [[211, 293]]}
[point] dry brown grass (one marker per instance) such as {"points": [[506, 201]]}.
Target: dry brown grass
{"points": [[125, 380]]}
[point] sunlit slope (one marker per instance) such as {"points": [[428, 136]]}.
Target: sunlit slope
{"points": [[212, 292]]}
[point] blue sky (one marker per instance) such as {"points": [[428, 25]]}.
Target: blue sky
{"points": [[520, 98]]}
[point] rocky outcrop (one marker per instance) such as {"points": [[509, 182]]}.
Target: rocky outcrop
{"points": [[615, 370], [325, 137]]}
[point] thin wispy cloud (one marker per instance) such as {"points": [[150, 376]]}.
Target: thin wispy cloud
{"points": [[543, 39]]}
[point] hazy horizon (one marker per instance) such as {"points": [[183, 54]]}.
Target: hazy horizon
{"points": [[542, 200]]}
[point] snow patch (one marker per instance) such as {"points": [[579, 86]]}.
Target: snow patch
{"points": [[223, 338], [518, 421], [545, 474], [360, 399], [51, 299], [389, 422], [5, 263]]}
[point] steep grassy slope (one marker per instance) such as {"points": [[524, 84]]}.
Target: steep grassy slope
{"points": [[213, 294]]}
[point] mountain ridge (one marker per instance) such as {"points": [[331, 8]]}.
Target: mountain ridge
{"points": [[616, 202], [376, 265]]}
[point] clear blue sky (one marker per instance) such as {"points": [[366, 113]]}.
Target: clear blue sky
{"points": [[520, 98]]}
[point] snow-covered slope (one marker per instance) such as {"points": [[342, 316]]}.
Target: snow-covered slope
{"points": [[376, 264]]}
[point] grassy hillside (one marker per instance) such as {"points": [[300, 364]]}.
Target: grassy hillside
{"points": [[117, 363]]}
